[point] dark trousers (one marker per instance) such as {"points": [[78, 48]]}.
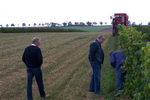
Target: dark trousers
{"points": [[31, 72], [95, 79], [119, 78]]}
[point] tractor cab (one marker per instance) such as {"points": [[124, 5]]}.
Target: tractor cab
{"points": [[118, 19]]}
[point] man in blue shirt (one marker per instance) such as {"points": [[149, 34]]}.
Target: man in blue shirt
{"points": [[117, 59]]}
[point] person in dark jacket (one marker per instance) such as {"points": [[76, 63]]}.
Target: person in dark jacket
{"points": [[117, 59], [32, 57], [96, 58]]}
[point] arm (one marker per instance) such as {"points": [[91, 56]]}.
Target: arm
{"points": [[39, 57], [112, 60], [23, 57], [92, 51], [102, 56], [123, 59]]}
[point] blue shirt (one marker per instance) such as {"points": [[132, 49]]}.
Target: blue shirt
{"points": [[117, 58]]}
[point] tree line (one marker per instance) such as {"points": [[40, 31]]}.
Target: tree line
{"points": [[55, 24]]}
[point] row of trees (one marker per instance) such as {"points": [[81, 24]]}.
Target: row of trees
{"points": [[134, 23], [54, 24]]}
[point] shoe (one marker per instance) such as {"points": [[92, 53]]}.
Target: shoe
{"points": [[45, 96], [91, 91], [97, 92], [118, 93]]}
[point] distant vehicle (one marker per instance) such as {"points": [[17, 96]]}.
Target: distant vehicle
{"points": [[119, 18]]}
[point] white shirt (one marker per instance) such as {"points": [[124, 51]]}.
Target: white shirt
{"points": [[33, 44]]}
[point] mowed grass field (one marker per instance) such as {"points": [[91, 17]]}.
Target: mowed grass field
{"points": [[66, 70]]}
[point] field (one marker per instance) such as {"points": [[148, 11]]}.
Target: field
{"points": [[66, 70], [53, 29], [88, 28]]}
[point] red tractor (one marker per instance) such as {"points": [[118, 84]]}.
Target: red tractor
{"points": [[119, 18]]}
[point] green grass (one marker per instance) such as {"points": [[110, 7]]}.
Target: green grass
{"points": [[108, 73], [88, 28]]}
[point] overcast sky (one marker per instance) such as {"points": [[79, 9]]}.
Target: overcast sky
{"points": [[41, 11]]}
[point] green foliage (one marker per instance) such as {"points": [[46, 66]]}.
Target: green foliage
{"points": [[144, 29], [131, 41], [38, 29], [146, 71], [52, 29]]}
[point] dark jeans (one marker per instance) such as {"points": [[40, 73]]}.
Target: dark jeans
{"points": [[95, 80], [119, 78], [31, 72]]}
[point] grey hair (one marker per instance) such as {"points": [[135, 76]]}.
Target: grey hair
{"points": [[35, 39], [101, 36]]}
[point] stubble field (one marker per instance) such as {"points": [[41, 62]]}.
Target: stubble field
{"points": [[66, 70]]}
